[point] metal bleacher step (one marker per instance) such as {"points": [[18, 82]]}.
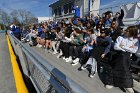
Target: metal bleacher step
{"points": [[92, 85]]}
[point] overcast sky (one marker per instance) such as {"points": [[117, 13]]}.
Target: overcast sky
{"points": [[40, 7]]}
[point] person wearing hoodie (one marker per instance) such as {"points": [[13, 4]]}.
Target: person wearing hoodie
{"points": [[16, 31]]}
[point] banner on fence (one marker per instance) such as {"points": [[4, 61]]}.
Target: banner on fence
{"points": [[131, 10]]}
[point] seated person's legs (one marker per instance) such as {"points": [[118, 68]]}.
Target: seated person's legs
{"points": [[77, 52], [71, 54]]}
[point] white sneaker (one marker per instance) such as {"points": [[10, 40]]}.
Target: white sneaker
{"points": [[37, 45], [22, 39], [54, 52], [64, 58], [50, 51], [40, 46], [69, 60], [76, 60], [108, 86], [92, 74], [74, 64], [59, 55], [130, 90], [68, 39], [30, 42], [27, 40], [83, 68]]}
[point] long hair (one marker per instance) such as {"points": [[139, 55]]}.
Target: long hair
{"points": [[133, 31]]}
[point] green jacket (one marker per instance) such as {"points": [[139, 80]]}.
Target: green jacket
{"points": [[77, 40]]}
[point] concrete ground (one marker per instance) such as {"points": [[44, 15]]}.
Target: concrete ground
{"points": [[7, 83]]}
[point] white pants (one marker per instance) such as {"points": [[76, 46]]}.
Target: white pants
{"points": [[29, 36], [93, 63], [55, 45]]}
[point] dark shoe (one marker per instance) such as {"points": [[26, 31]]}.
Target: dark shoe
{"points": [[84, 67], [81, 68], [30, 45]]}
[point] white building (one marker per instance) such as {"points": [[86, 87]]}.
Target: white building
{"points": [[94, 7], [64, 8], [44, 19]]}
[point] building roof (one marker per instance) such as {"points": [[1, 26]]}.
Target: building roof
{"points": [[54, 3], [59, 2]]}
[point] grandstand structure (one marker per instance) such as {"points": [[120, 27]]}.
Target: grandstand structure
{"points": [[43, 71], [64, 8], [131, 12]]}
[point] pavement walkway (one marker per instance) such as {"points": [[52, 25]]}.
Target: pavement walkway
{"points": [[7, 83]]}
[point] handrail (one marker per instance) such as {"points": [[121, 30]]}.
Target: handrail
{"points": [[138, 19], [60, 82], [128, 21], [111, 7], [116, 6]]}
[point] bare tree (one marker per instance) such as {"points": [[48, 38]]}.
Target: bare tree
{"points": [[14, 14], [26, 16], [21, 17], [5, 18], [33, 20], [22, 14]]}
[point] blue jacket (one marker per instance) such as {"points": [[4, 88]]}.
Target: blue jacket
{"points": [[40, 29], [16, 30], [13, 28], [107, 22], [75, 22], [77, 11]]}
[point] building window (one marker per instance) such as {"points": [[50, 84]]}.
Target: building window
{"points": [[93, 2], [71, 5], [55, 12], [66, 9], [59, 11]]}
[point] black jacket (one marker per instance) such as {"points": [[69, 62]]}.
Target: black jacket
{"points": [[116, 33]]}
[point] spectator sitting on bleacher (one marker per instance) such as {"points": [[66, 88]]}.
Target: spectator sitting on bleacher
{"points": [[13, 28], [98, 27], [59, 37], [16, 31], [41, 39], [102, 48], [116, 31], [119, 17], [25, 32], [75, 42], [89, 41], [107, 20], [40, 30], [31, 34]]}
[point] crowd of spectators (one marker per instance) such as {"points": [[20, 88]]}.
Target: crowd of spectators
{"points": [[90, 41]]}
